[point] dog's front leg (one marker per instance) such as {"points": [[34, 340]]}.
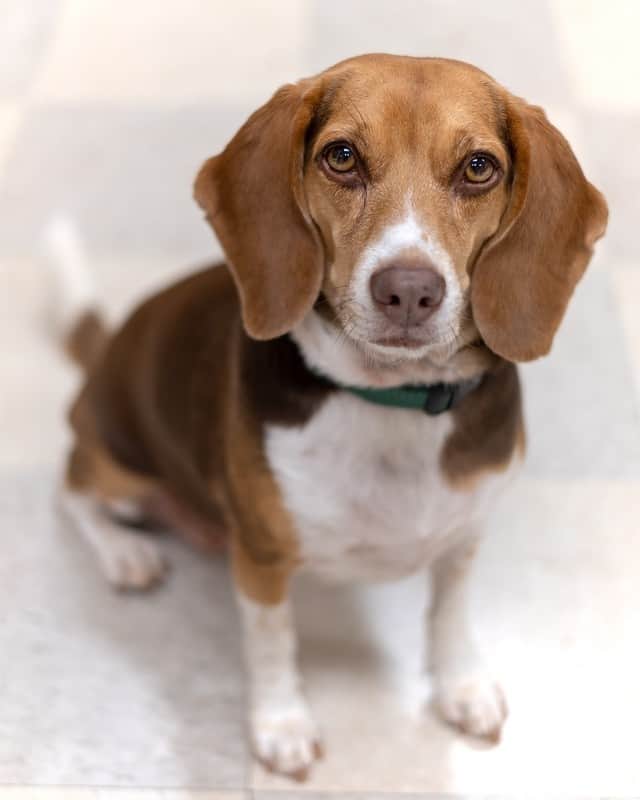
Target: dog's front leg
{"points": [[465, 694], [284, 735]]}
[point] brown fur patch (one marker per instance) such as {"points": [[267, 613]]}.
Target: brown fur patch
{"points": [[488, 428]]}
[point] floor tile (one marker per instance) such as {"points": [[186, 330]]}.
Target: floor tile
{"points": [[37, 383], [303, 794], [124, 175], [599, 47], [582, 418], [554, 604], [627, 288], [105, 689], [73, 793], [525, 31], [606, 134], [10, 118], [25, 35], [175, 52]]}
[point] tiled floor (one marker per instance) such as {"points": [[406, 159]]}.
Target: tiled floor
{"points": [[106, 110]]}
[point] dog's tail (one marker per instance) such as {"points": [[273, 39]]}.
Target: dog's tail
{"points": [[73, 306]]}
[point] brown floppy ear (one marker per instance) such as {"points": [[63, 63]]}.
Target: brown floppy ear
{"points": [[527, 272], [253, 197]]}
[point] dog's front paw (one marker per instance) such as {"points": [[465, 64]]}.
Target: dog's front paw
{"points": [[286, 741], [474, 704]]}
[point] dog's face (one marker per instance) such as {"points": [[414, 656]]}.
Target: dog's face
{"points": [[405, 180], [414, 202]]}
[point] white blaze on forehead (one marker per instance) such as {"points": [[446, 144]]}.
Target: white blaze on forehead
{"points": [[396, 239]]}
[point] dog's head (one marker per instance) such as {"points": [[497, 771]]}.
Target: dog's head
{"points": [[415, 201]]}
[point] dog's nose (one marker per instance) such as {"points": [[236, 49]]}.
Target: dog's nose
{"points": [[407, 295]]}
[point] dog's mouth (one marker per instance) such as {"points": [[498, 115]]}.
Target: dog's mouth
{"points": [[382, 335], [403, 341], [434, 340]]}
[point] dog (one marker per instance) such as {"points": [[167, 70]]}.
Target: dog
{"points": [[341, 396]]}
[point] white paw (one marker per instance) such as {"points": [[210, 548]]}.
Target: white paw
{"points": [[474, 704], [130, 561], [286, 741]]}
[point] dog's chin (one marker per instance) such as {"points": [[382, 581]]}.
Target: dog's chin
{"points": [[437, 339], [389, 346], [401, 343], [402, 348], [398, 350]]}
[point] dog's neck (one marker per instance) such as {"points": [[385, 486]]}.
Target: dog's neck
{"points": [[327, 350]]}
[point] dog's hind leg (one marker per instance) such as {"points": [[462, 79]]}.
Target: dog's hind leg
{"points": [[96, 494]]}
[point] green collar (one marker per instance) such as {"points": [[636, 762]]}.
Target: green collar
{"points": [[434, 398]]}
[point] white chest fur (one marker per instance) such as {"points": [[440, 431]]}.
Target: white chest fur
{"points": [[365, 489]]}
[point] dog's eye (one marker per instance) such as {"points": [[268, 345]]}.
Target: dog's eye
{"points": [[340, 158], [479, 169]]}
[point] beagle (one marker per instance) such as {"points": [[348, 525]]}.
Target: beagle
{"points": [[341, 396]]}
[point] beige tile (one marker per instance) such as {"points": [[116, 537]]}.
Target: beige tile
{"points": [[172, 51], [124, 174], [555, 605], [24, 37], [627, 289], [73, 793], [104, 689], [613, 145], [514, 42], [580, 412], [10, 117], [600, 44], [306, 794], [36, 381], [45, 793], [164, 794]]}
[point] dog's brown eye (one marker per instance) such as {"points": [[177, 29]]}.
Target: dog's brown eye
{"points": [[340, 158], [479, 169]]}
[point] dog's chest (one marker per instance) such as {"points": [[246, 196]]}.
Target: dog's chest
{"points": [[365, 489]]}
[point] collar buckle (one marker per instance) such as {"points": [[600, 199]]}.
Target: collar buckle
{"points": [[441, 397]]}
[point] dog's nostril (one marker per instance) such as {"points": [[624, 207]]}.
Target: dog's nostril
{"points": [[394, 300]]}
